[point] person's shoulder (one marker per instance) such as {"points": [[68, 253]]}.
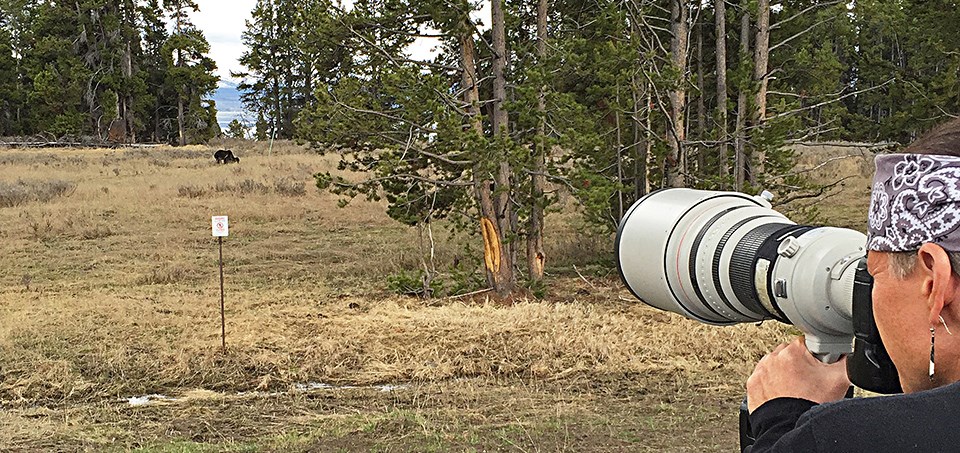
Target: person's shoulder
{"points": [[946, 397], [890, 423]]}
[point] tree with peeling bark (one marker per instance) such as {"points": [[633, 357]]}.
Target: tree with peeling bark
{"points": [[418, 126]]}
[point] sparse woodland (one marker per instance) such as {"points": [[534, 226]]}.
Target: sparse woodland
{"points": [[607, 100], [603, 100]]}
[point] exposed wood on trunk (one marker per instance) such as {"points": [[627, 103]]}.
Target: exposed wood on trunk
{"points": [[536, 258], [499, 274], [720, 23], [676, 159]]}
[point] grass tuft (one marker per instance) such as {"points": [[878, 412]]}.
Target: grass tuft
{"points": [[22, 192]]}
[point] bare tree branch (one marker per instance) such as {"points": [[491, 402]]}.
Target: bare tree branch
{"points": [[821, 104], [816, 194], [804, 11], [801, 33]]}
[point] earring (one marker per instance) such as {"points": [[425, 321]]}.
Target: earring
{"points": [[932, 366], [945, 325]]}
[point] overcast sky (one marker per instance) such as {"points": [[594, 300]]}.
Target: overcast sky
{"points": [[222, 22]]}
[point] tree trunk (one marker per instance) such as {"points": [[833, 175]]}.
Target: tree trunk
{"points": [[676, 160], [471, 91], [640, 155], [499, 120], [498, 272], [308, 83], [640, 181], [535, 256], [721, 31], [127, 112], [504, 217], [761, 59], [701, 107], [740, 161], [180, 133]]}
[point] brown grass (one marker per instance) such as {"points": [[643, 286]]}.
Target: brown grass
{"points": [[113, 291]]}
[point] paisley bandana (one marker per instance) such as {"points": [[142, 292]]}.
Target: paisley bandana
{"points": [[915, 199]]}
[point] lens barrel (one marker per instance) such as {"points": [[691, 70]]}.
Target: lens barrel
{"points": [[726, 257]]}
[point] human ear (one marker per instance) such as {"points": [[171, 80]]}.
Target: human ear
{"points": [[939, 284]]}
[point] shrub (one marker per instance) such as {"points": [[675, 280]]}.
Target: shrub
{"points": [[411, 283], [249, 186], [191, 191], [290, 187], [244, 187], [21, 192]]}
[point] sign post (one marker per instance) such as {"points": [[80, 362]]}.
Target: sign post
{"points": [[221, 228]]}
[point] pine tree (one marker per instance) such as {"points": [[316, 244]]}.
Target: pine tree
{"points": [[156, 102], [190, 75], [236, 129], [55, 78], [8, 79]]}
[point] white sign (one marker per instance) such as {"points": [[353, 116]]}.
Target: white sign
{"points": [[220, 226]]}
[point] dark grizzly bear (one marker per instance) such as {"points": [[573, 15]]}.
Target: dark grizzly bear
{"points": [[225, 156]]}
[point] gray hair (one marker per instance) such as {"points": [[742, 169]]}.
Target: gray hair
{"points": [[902, 263]]}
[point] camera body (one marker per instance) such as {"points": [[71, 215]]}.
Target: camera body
{"points": [[724, 258]]}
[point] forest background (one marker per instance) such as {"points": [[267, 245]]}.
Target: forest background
{"points": [[603, 100]]}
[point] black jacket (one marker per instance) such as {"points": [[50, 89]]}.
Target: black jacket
{"points": [[926, 421]]}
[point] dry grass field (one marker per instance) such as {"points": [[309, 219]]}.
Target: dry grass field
{"points": [[109, 290]]}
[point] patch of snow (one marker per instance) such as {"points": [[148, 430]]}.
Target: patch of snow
{"points": [[147, 399]]}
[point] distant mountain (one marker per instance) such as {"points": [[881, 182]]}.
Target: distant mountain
{"points": [[229, 106]]}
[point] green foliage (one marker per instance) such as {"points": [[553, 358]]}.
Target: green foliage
{"points": [[97, 69], [412, 284], [236, 129], [460, 278]]}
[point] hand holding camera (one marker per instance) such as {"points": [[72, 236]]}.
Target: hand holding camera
{"points": [[790, 371]]}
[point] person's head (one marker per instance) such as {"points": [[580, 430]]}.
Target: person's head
{"points": [[914, 256]]}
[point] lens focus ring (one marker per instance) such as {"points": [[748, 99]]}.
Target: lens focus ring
{"points": [[743, 265]]}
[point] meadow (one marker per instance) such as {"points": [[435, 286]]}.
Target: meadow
{"points": [[110, 322]]}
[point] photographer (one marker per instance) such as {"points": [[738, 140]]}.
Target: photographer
{"points": [[796, 402]]}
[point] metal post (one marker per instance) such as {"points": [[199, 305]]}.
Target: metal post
{"points": [[223, 323]]}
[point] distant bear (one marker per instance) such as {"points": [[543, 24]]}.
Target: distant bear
{"points": [[225, 156]]}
